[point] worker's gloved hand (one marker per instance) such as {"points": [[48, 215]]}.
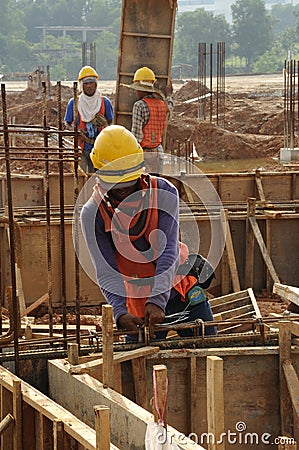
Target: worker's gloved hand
{"points": [[91, 130], [129, 322], [153, 315]]}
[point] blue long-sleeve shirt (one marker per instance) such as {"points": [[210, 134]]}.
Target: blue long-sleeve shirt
{"points": [[69, 115], [102, 250]]}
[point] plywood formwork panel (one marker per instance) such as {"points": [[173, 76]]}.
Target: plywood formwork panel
{"points": [[29, 190], [251, 394], [34, 267], [146, 39]]}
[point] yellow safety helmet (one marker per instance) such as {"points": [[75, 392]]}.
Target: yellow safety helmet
{"points": [[87, 71], [117, 155], [144, 74]]}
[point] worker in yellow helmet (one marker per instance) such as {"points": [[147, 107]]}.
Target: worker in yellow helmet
{"points": [[95, 111], [130, 225], [149, 117]]}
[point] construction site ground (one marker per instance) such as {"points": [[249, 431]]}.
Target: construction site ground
{"points": [[251, 137]]}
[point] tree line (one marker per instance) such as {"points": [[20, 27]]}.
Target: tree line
{"points": [[257, 40]]}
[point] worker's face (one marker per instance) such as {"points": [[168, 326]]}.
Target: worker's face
{"points": [[89, 88], [140, 94], [121, 193]]}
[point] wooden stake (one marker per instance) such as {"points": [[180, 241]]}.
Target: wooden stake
{"points": [[58, 434], [102, 427], [286, 412], [215, 401], [107, 328], [73, 353], [140, 382], [160, 394], [17, 414], [193, 394]]}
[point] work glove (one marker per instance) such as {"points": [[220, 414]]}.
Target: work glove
{"points": [[91, 130], [129, 322], [99, 121]]}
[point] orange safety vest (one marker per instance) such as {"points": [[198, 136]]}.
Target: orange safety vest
{"points": [[133, 265], [153, 130], [82, 125]]}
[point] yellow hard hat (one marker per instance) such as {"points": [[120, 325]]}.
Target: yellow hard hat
{"points": [[144, 74], [117, 155], [87, 71]]}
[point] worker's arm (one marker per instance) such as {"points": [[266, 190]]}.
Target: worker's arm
{"points": [[109, 113], [168, 261], [69, 113], [140, 116]]}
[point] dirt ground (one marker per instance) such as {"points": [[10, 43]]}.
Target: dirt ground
{"points": [[251, 125], [250, 117]]}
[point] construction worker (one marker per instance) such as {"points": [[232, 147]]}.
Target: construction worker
{"points": [[130, 225], [149, 117], [95, 112]]}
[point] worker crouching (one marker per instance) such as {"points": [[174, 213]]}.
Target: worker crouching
{"points": [[131, 228]]}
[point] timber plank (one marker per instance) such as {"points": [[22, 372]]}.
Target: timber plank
{"points": [[118, 357], [290, 293]]}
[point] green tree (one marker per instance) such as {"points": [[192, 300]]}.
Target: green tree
{"points": [[251, 27], [194, 27], [283, 18]]}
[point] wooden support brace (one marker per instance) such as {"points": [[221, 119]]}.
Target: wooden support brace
{"points": [[8, 419], [107, 328], [262, 246], [259, 185], [230, 250], [35, 305], [249, 257], [160, 388], [18, 416], [215, 401], [102, 427]]}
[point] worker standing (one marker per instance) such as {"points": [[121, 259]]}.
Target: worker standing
{"points": [[149, 117], [95, 112], [130, 225]]}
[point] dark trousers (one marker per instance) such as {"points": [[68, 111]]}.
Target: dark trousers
{"points": [[180, 312]]}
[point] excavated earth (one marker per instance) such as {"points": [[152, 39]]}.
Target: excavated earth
{"points": [[250, 126]]}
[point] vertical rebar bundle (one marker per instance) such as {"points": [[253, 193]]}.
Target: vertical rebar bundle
{"points": [[291, 83], [205, 92]]}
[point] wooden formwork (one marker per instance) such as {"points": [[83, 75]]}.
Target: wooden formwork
{"points": [[250, 394], [259, 250], [29, 190], [38, 423]]}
